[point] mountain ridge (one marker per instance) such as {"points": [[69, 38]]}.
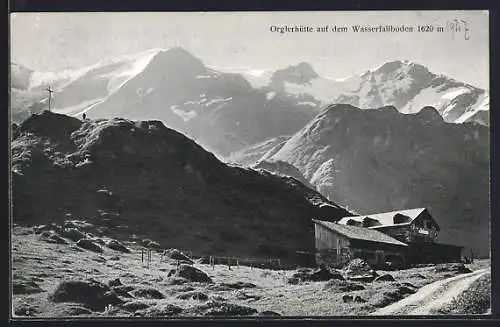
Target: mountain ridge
{"points": [[377, 160]]}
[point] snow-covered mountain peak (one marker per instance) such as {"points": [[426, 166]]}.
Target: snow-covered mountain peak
{"points": [[397, 69]]}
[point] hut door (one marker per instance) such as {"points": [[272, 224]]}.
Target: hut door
{"points": [[379, 257]]}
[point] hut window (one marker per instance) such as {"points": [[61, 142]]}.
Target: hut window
{"points": [[369, 222], [352, 222], [400, 219]]}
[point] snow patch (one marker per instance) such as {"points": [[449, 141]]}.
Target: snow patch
{"points": [[218, 101], [270, 95], [306, 103], [185, 115]]}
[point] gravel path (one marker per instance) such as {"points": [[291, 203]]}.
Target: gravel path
{"points": [[433, 296]]}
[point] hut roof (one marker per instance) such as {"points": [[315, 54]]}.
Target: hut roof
{"points": [[359, 233], [385, 219]]}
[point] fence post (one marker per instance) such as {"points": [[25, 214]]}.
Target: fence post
{"points": [[229, 262], [142, 255], [237, 264]]}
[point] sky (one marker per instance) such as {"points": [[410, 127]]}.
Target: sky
{"points": [[240, 40]]}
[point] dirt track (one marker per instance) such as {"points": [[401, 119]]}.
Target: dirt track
{"points": [[433, 296]]}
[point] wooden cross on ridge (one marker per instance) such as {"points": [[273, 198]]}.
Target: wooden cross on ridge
{"points": [[50, 95]]}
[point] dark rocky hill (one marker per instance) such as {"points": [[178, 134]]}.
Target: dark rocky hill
{"points": [[140, 177], [380, 160]]}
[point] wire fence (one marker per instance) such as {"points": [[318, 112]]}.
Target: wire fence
{"points": [[232, 262]]}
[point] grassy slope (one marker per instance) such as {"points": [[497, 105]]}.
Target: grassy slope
{"points": [[48, 264]]}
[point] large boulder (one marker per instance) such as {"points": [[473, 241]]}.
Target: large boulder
{"points": [[359, 270], [324, 274], [52, 237], [91, 293], [123, 290], [321, 274], [134, 306], [117, 246], [89, 245], [148, 293], [177, 255], [190, 273], [73, 234], [385, 278]]}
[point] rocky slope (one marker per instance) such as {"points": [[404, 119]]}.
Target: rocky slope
{"points": [[140, 177], [381, 160], [251, 155]]}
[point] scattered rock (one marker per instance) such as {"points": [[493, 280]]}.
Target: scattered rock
{"points": [[26, 287], [347, 298], [190, 273], [239, 285], [269, 313], [90, 293], [359, 299], [341, 286], [321, 274], [218, 298], [458, 268], [161, 311], [114, 258], [75, 248], [154, 245], [219, 288], [148, 293], [177, 255], [293, 280], [117, 246], [99, 241], [99, 259], [385, 278], [228, 309], [324, 274], [193, 295], [73, 234], [115, 282], [244, 296], [134, 306], [150, 244], [52, 237], [89, 245], [40, 228], [79, 224], [123, 290], [417, 275]]}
